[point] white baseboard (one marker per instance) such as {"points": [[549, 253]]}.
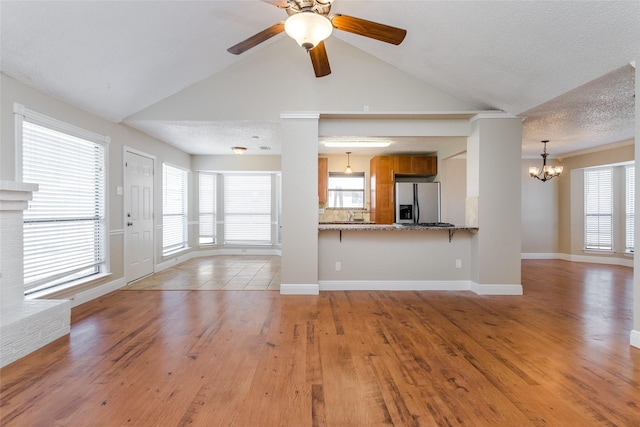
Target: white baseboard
{"points": [[626, 262], [610, 260], [97, 292], [175, 260], [539, 255], [178, 259], [503, 289], [635, 338], [394, 285], [300, 289]]}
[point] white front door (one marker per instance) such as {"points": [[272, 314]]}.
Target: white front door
{"points": [[138, 205]]}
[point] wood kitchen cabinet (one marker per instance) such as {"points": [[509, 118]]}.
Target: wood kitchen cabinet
{"points": [[402, 165], [424, 165], [416, 165], [381, 169], [323, 179]]}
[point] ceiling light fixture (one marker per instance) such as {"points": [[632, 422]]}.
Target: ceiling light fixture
{"points": [[547, 172], [238, 150], [357, 144], [308, 28], [348, 169]]}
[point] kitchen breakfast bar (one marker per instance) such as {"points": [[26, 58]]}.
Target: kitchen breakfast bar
{"points": [[364, 256]]}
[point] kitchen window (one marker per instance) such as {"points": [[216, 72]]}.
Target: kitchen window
{"points": [[346, 190], [174, 208], [598, 209], [65, 225]]}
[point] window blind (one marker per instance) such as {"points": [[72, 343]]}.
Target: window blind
{"points": [[630, 190], [65, 225], [174, 208], [247, 209], [207, 208], [598, 209]]}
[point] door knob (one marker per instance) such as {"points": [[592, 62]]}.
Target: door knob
{"points": [[129, 224]]}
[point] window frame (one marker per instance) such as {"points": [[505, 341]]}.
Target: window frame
{"points": [[168, 249], [43, 213], [207, 216], [337, 191], [630, 185], [600, 243], [229, 216]]}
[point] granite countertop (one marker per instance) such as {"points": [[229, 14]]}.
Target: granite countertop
{"points": [[388, 227]]}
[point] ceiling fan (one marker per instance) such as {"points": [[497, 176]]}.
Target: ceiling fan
{"points": [[309, 24]]}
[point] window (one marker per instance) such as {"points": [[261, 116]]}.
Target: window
{"points": [[65, 225], [346, 190], [630, 191], [598, 209], [247, 209], [207, 208], [174, 209]]}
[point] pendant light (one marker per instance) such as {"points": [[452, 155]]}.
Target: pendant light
{"points": [[348, 169]]}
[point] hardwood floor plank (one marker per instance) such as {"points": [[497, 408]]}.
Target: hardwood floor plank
{"points": [[557, 356]]}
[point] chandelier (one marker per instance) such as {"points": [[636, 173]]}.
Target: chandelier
{"points": [[547, 172]]}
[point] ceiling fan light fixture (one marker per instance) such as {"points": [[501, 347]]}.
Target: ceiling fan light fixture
{"points": [[308, 28], [238, 150]]}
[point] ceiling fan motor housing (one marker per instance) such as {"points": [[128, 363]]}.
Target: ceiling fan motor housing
{"points": [[321, 7]]}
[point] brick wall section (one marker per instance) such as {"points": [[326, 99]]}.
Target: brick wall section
{"points": [[30, 325], [25, 325]]}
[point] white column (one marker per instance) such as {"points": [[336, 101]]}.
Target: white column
{"points": [[299, 203], [494, 151]]}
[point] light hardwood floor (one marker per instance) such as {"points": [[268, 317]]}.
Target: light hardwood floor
{"points": [[557, 356]]}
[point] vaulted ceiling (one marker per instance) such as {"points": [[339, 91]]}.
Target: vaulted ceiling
{"points": [[563, 66]]}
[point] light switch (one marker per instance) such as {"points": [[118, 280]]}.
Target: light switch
{"points": [[119, 191]]}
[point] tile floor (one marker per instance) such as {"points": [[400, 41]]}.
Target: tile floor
{"points": [[221, 272]]}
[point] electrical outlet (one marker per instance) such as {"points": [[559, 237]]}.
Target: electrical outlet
{"points": [[458, 263], [338, 266]]}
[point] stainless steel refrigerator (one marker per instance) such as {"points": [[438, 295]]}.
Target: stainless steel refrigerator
{"points": [[417, 202]]}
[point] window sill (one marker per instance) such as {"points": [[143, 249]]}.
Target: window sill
{"points": [[176, 252], [59, 289], [599, 251]]}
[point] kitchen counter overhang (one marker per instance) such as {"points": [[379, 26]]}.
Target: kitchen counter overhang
{"points": [[391, 227]]}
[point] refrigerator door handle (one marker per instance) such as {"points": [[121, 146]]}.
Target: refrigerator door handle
{"points": [[416, 205]]}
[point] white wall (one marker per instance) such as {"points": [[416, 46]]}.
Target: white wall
{"points": [[540, 222], [121, 136], [452, 174]]}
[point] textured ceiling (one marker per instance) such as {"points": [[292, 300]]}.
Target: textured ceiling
{"points": [[561, 64]]}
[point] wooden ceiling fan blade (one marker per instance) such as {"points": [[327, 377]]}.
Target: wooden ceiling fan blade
{"points": [[256, 39], [373, 30], [320, 60]]}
